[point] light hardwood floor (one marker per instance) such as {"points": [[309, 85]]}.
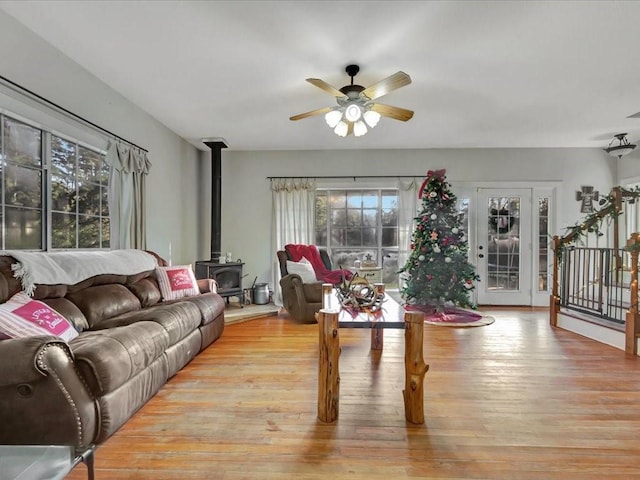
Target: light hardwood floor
{"points": [[513, 400]]}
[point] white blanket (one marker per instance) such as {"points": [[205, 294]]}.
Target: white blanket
{"points": [[69, 268]]}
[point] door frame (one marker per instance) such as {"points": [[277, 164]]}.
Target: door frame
{"points": [[539, 189]]}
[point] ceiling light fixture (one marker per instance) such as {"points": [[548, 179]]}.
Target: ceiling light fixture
{"points": [[623, 148], [353, 116]]}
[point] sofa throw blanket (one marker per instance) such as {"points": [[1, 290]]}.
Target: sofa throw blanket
{"points": [[311, 253], [69, 268]]}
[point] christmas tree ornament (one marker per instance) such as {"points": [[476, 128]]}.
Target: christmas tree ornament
{"points": [[436, 249], [447, 259], [433, 216], [421, 258]]}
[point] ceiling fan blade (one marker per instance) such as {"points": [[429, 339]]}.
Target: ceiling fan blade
{"points": [[396, 113], [389, 84], [318, 111], [326, 87]]}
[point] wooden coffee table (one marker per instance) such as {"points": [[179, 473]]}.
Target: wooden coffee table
{"points": [[391, 315]]}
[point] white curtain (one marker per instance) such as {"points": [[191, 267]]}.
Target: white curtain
{"points": [[407, 210], [293, 219], [129, 167]]}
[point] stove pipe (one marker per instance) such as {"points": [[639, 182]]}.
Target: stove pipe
{"points": [[216, 145]]}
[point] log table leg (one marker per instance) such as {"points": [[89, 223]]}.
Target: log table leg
{"points": [[328, 374], [415, 368], [377, 338]]}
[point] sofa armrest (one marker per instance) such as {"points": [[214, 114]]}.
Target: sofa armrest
{"points": [[43, 398], [207, 285]]}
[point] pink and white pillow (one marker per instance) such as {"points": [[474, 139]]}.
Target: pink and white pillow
{"points": [[21, 316], [177, 282]]}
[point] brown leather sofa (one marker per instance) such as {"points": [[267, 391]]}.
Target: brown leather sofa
{"points": [[79, 393], [301, 300]]}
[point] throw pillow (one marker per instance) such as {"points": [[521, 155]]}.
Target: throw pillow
{"points": [[21, 316], [302, 268], [177, 282]]}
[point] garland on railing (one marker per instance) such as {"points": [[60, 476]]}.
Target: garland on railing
{"points": [[592, 223]]}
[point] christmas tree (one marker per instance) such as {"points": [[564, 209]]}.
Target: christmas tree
{"points": [[438, 271]]}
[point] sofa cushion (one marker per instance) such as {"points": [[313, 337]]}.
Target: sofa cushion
{"points": [[177, 282], [102, 302], [21, 317], [147, 291], [69, 311], [108, 358], [178, 319], [210, 305]]}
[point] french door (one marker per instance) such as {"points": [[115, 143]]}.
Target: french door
{"points": [[504, 246]]}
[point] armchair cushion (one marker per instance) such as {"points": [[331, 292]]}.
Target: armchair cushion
{"points": [[302, 268]]}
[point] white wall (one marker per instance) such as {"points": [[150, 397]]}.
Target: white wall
{"points": [[246, 195], [172, 201]]}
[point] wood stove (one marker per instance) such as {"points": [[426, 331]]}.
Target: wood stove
{"points": [[228, 276]]}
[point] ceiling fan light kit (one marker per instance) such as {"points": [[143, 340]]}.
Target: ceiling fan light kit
{"points": [[622, 148], [356, 108]]}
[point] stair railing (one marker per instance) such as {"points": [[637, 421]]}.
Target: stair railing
{"points": [[611, 208]]}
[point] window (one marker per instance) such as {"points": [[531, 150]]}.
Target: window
{"points": [[62, 206], [357, 224]]}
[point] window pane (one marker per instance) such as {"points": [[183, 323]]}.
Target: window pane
{"points": [[389, 237], [321, 210], [338, 237], [338, 199], [370, 218], [354, 217], [90, 166], [390, 199], [106, 234], [63, 230], [89, 199], [105, 202], [23, 229], [390, 217], [370, 200], [22, 143], [354, 237], [354, 200], [338, 218], [22, 186], [369, 237], [88, 232]]}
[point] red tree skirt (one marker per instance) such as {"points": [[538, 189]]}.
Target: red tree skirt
{"points": [[451, 316]]}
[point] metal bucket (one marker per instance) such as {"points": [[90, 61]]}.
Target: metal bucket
{"points": [[261, 294]]}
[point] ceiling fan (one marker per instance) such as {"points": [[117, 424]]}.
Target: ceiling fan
{"points": [[356, 106]]}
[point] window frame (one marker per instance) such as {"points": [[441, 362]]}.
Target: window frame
{"points": [[379, 250], [46, 155]]}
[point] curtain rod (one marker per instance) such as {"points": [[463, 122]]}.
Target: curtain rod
{"points": [[69, 113], [315, 177]]}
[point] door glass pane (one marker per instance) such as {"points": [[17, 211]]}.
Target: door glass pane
{"points": [[503, 243], [543, 244]]}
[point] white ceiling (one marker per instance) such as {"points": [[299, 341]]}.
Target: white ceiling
{"points": [[485, 74]]}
